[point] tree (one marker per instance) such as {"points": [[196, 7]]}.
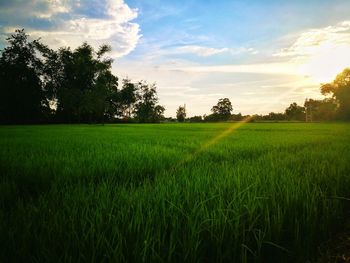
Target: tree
{"points": [[275, 116], [181, 114], [196, 119], [146, 108], [22, 98], [295, 112], [81, 83], [158, 113], [77, 85], [340, 91], [222, 110], [127, 98], [236, 117], [321, 110]]}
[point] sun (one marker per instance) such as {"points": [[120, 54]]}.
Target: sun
{"points": [[325, 62]]}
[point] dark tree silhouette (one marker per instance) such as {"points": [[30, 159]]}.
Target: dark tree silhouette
{"points": [[22, 98], [321, 110], [272, 116], [196, 119], [295, 112], [127, 98], [181, 114], [40, 84], [82, 83], [221, 111], [340, 91], [146, 108]]}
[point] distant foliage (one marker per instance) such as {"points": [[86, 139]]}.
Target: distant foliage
{"points": [[221, 111], [237, 117], [322, 110], [340, 91], [195, 119], [272, 116], [127, 99], [146, 108], [295, 112], [181, 114], [39, 84]]}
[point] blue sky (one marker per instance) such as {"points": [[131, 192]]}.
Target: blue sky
{"points": [[262, 55]]}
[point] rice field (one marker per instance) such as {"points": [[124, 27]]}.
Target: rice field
{"points": [[258, 192]]}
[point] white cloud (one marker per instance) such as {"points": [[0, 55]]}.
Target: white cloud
{"points": [[112, 26], [241, 50], [53, 7], [201, 51], [204, 51], [120, 11], [262, 68], [16, 10], [309, 42]]}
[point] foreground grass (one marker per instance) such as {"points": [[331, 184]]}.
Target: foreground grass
{"points": [[156, 193]]}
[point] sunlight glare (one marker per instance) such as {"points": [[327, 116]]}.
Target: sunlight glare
{"points": [[325, 62]]}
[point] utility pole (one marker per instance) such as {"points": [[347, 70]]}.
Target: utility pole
{"points": [[185, 111], [308, 111]]}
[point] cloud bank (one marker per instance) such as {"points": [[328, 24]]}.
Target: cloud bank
{"points": [[69, 23]]}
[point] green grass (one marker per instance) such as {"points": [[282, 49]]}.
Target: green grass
{"points": [[115, 193]]}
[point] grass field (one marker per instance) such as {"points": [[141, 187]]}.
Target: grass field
{"points": [[172, 192]]}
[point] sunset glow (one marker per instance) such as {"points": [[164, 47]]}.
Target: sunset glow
{"points": [[326, 62]]}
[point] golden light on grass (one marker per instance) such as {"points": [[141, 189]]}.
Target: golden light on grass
{"points": [[214, 140], [234, 126]]}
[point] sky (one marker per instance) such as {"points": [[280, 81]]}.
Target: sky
{"points": [[261, 54]]}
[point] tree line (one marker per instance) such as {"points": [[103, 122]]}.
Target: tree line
{"points": [[333, 108], [40, 85]]}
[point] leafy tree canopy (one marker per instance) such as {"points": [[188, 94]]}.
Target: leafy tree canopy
{"points": [[340, 91], [222, 110], [295, 112], [22, 98], [146, 108], [181, 113]]}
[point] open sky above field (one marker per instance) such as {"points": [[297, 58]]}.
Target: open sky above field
{"points": [[261, 54]]}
